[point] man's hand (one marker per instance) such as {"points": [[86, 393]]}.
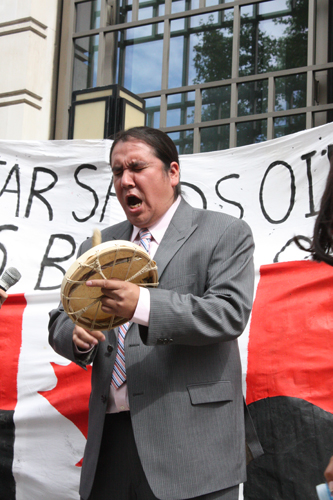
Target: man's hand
{"points": [[120, 297], [329, 474], [3, 296], [84, 339]]}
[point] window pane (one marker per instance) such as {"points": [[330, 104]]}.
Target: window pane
{"points": [[201, 48], [180, 109], [270, 31], [177, 6], [274, 6], [183, 141], [290, 92], [151, 8], [177, 25], [209, 3], [215, 103], [289, 125], [251, 132], [85, 62], [145, 13], [252, 97], [153, 107], [182, 5], [88, 15], [136, 46], [214, 138]]}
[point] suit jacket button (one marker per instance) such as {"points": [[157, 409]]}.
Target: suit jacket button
{"points": [[110, 348], [104, 399]]}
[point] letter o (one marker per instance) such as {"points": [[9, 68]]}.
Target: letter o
{"points": [[292, 192]]}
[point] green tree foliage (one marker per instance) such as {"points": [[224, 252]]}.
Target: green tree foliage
{"points": [[213, 52]]}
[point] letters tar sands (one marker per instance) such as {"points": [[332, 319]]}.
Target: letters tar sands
{"points": [[14, 176]]}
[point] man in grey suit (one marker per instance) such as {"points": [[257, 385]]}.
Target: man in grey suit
{"points": [[166, 413]]}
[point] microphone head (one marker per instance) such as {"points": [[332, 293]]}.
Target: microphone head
{"points": [[9, 278]]}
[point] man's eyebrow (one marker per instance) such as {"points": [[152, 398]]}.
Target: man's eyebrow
{"points": [[135, 163], [116, 167], [131, 164]]}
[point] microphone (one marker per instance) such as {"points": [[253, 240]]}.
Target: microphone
{"points": [[9, 278]]}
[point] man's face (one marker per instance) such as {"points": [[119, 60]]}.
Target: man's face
{"points": [[143, 187]]}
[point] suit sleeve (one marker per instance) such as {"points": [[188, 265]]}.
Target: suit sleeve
{"points": [[61, 332], [221, 313]]}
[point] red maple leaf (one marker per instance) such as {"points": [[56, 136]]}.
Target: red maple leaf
{"points": [[71, 395]]}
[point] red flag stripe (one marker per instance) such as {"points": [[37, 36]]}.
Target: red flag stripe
{"points": [[290, 341], [11, 316]]}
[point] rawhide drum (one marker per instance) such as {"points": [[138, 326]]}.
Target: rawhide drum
{"points": [[113, 259]]}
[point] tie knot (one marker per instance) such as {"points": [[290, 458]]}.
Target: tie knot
{"points": [[144, 234], [145, 238]]}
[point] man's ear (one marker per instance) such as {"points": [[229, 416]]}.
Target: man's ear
{"points": [[174, 173]]}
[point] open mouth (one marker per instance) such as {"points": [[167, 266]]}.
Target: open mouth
{"points": [[134, 202]]}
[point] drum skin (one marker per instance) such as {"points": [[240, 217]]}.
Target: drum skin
{"points": [[117, 259]]}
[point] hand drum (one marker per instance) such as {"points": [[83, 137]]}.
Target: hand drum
{"points": [[117, 259]]}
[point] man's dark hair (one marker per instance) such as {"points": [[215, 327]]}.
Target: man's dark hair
{"points": [[164, 148]]}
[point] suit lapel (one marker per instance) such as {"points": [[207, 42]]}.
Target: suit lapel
{"points": [[179, 230], [122, 231]]}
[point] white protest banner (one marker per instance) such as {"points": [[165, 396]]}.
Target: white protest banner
{"points": [[52, 195]]}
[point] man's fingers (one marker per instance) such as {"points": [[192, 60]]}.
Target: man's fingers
{"points": [[112, 283], [120, 298], [330, 485], [84, 346], [3, 296], [84, 339], [329, 471]]}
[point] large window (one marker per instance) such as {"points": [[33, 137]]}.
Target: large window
{"points": [[214, 73]]}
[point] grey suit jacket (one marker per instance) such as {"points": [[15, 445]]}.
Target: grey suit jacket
{"points": [[183, 370]]}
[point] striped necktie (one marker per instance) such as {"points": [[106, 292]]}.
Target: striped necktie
{"points": [[145, 239], [119, 369]]}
